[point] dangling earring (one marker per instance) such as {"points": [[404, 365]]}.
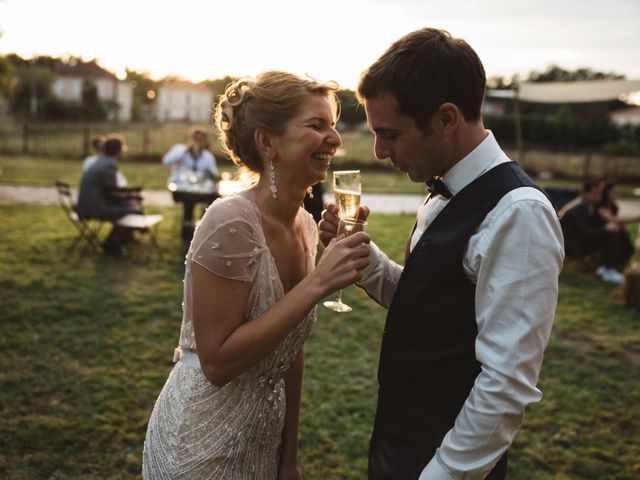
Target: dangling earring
{"points": [[272, 178]]}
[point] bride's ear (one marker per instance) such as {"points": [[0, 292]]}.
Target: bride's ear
{"points": [[264, 143]]}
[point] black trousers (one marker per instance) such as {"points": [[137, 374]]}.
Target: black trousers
{"points": [[617, 249], [188, 222], [391, 458]]}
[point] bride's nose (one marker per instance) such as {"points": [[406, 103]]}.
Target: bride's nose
{"points": [[333, 138]]}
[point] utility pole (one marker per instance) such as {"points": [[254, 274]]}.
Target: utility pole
{"points": [[33, 86], [516, 114]]}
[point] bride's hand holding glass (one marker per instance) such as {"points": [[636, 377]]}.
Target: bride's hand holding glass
{"points": [[346, 227], [342, 261]]}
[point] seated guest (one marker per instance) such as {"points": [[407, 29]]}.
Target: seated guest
{"points": [[608, 212], [99, 196], [586, 234], [97, 145], [192, 164]]}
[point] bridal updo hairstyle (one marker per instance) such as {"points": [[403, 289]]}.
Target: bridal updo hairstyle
{"points": [[268, 101]]}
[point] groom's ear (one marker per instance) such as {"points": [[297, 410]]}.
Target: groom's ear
{"points": [[448, 118]]}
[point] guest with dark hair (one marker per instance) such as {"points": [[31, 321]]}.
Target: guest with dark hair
{"points": [[471, 310], [98, 196], [587, 233], [608, 211]]}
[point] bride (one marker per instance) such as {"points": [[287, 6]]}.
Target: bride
{"points": [[229, 409]]}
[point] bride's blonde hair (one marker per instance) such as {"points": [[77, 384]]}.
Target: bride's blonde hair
{"points": [[266, 102]]}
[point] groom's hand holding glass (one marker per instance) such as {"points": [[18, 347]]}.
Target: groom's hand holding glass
{"points": [[331, 221]]}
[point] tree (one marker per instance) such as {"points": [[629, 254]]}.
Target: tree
{"points": [[91, 106], [351, 113], [5, 76], [218, 85], [554, 73], [33, 82], [145, 91]]}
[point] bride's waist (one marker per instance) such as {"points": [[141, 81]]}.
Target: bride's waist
{"points": [[264, 378]]}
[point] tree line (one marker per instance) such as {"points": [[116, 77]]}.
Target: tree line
{"points": [[550, 125]]}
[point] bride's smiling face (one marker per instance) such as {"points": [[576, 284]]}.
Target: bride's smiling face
{"points": [[309, 142]]}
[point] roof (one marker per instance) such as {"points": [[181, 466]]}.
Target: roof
{"points": [[184, 84], [570, 92], [83, 69]]}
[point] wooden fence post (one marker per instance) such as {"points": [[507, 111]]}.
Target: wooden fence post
{"points": [[145, 141], [25, 138], [86, 141]]}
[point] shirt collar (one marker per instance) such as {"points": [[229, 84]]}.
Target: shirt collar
{"points": [[482, 158]]}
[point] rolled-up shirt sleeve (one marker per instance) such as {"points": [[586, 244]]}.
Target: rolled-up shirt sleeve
{"points": [[514, 259], [380, 278]]}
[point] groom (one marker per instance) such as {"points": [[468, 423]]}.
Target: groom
{"points": [[470, 313]]}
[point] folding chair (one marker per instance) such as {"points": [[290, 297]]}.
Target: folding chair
{"points": [[88, 230]]}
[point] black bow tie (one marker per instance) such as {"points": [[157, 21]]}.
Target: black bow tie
{"points": [[437, 187]]}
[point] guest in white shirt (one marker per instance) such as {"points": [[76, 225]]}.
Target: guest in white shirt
{"points": [[471, 311], [191, 158], [192, 165]]}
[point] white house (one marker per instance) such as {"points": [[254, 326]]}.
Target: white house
{"points": [[182, 100], [67, 86], [626, 116]]}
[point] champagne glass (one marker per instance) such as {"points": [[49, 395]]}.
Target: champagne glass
{"points": [[346, 190], [346, 226]]}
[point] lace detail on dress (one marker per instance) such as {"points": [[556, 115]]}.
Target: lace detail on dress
{"points": [[196, 429]]}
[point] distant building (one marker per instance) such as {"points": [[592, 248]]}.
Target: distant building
{"points": [[494, 107], [115, 95], [626, 116], [184, 101]]}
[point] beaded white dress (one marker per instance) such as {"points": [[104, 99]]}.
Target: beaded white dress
{"points": [[198, 430]]}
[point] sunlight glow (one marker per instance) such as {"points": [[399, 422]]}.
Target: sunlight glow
{"points": [[334, 40]]}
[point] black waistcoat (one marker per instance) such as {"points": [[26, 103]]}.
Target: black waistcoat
{"points": [[427, 361]]}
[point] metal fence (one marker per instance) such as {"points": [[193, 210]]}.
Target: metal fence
{"points": [[149, 141], [144, 141]]}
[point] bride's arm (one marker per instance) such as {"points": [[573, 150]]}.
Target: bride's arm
{"points": [[226, 346], [292, 387]]}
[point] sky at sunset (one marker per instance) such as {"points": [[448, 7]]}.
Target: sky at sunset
{"points": [[329, 40]]}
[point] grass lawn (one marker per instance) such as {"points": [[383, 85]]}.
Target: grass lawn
{"points": [[87, 345]]}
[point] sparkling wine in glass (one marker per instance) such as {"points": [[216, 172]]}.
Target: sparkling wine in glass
{"points": [[347, 189], [346, 227]]}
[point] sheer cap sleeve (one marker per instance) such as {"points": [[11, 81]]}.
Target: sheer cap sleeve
{"points": [[229, 240]]}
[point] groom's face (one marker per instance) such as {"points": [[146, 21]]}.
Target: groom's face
{"points": [[421, 155]]}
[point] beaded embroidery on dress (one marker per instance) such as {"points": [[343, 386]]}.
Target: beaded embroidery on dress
{"points": [[198, 430]]}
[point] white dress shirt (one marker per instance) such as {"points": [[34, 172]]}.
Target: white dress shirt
{"points": [[514, 259], [183, 163]]}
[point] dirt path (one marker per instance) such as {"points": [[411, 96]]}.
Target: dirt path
{"points": [[377, 202]]}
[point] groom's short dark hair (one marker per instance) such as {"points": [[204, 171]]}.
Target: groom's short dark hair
{"points": [[425, 69]]}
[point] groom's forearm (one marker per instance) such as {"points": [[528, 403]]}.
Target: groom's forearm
{"points": [[380, 279]]}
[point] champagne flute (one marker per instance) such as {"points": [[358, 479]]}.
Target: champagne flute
{"points": [[346, 226], [346, 190]]}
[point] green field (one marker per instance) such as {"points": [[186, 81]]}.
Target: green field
{"points": [[87, 344]]}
